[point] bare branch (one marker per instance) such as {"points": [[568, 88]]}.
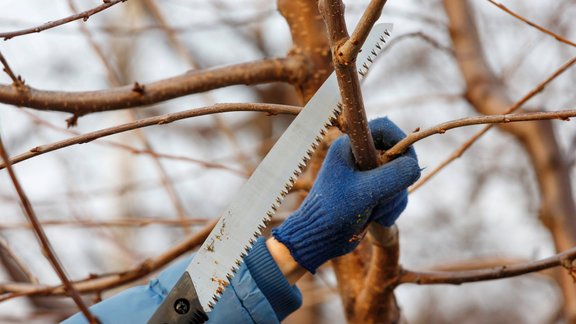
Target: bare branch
{"points": [[85, 102], [540, 28], [51, 24], [350, 49], [356, 124], [564, 259], [517, 105], [43, 239], [113, 280], [17, 81], [156, 120], [412, 138]]}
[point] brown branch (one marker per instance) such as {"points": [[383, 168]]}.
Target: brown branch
{"points": [[309, 43], [116, 222], [517, 105], [486, 93], [97, 284], [356, 123], [157, 120], [540, 28], [367, 296], [17, 81], [350, 49], [85, 102], [47, 249], [51, 24], [131, 149], [564, 259], [412, 138]]}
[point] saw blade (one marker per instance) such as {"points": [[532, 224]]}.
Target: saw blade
{"points": [[243, 221]]}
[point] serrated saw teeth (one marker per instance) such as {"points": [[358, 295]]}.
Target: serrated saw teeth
{"points": [[258, 203]]}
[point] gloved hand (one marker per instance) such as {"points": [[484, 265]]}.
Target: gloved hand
{"points": [[332, 219]]}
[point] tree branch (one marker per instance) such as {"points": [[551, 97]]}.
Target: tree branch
{"points": [[540, 28], [51, 24], [564, 259], [350, 49], [412, 138], [372, 298], [486, 93], [156, 120], [85, 102], [17, 81], [101, 283], [43, 239], [517, 105]]}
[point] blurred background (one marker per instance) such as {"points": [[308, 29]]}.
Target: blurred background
{"points": [[110, 204]]}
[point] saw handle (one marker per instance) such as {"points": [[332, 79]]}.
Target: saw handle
{"points": [[181, 306]]}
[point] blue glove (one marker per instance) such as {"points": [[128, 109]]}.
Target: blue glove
{"points": [[332, 219]]}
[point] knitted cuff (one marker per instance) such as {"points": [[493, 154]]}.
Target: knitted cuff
{"points": [[312, 237], [283, 297]]}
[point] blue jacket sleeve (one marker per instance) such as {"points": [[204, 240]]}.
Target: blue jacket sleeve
{"points": [[258, 293]]}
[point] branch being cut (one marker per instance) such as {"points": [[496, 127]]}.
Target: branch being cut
{"points": [[85, 102], [366, 295], [51, 24]]}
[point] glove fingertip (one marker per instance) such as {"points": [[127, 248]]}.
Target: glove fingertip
{"points": [[385, 132]]}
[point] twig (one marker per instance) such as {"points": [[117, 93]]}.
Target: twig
{"points": [[412, 138], [85, 102], [133, 150], [17, 81], [350, 49], [157, 120], [51, 24], [109, 281], [517, 105], [12, 262], [43, 239], [540, 28], [564, 259]]}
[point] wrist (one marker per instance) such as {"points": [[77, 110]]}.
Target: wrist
{"points": [[286, 263]]}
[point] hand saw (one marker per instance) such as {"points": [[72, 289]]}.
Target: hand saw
{"points": [[213, 266]]}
